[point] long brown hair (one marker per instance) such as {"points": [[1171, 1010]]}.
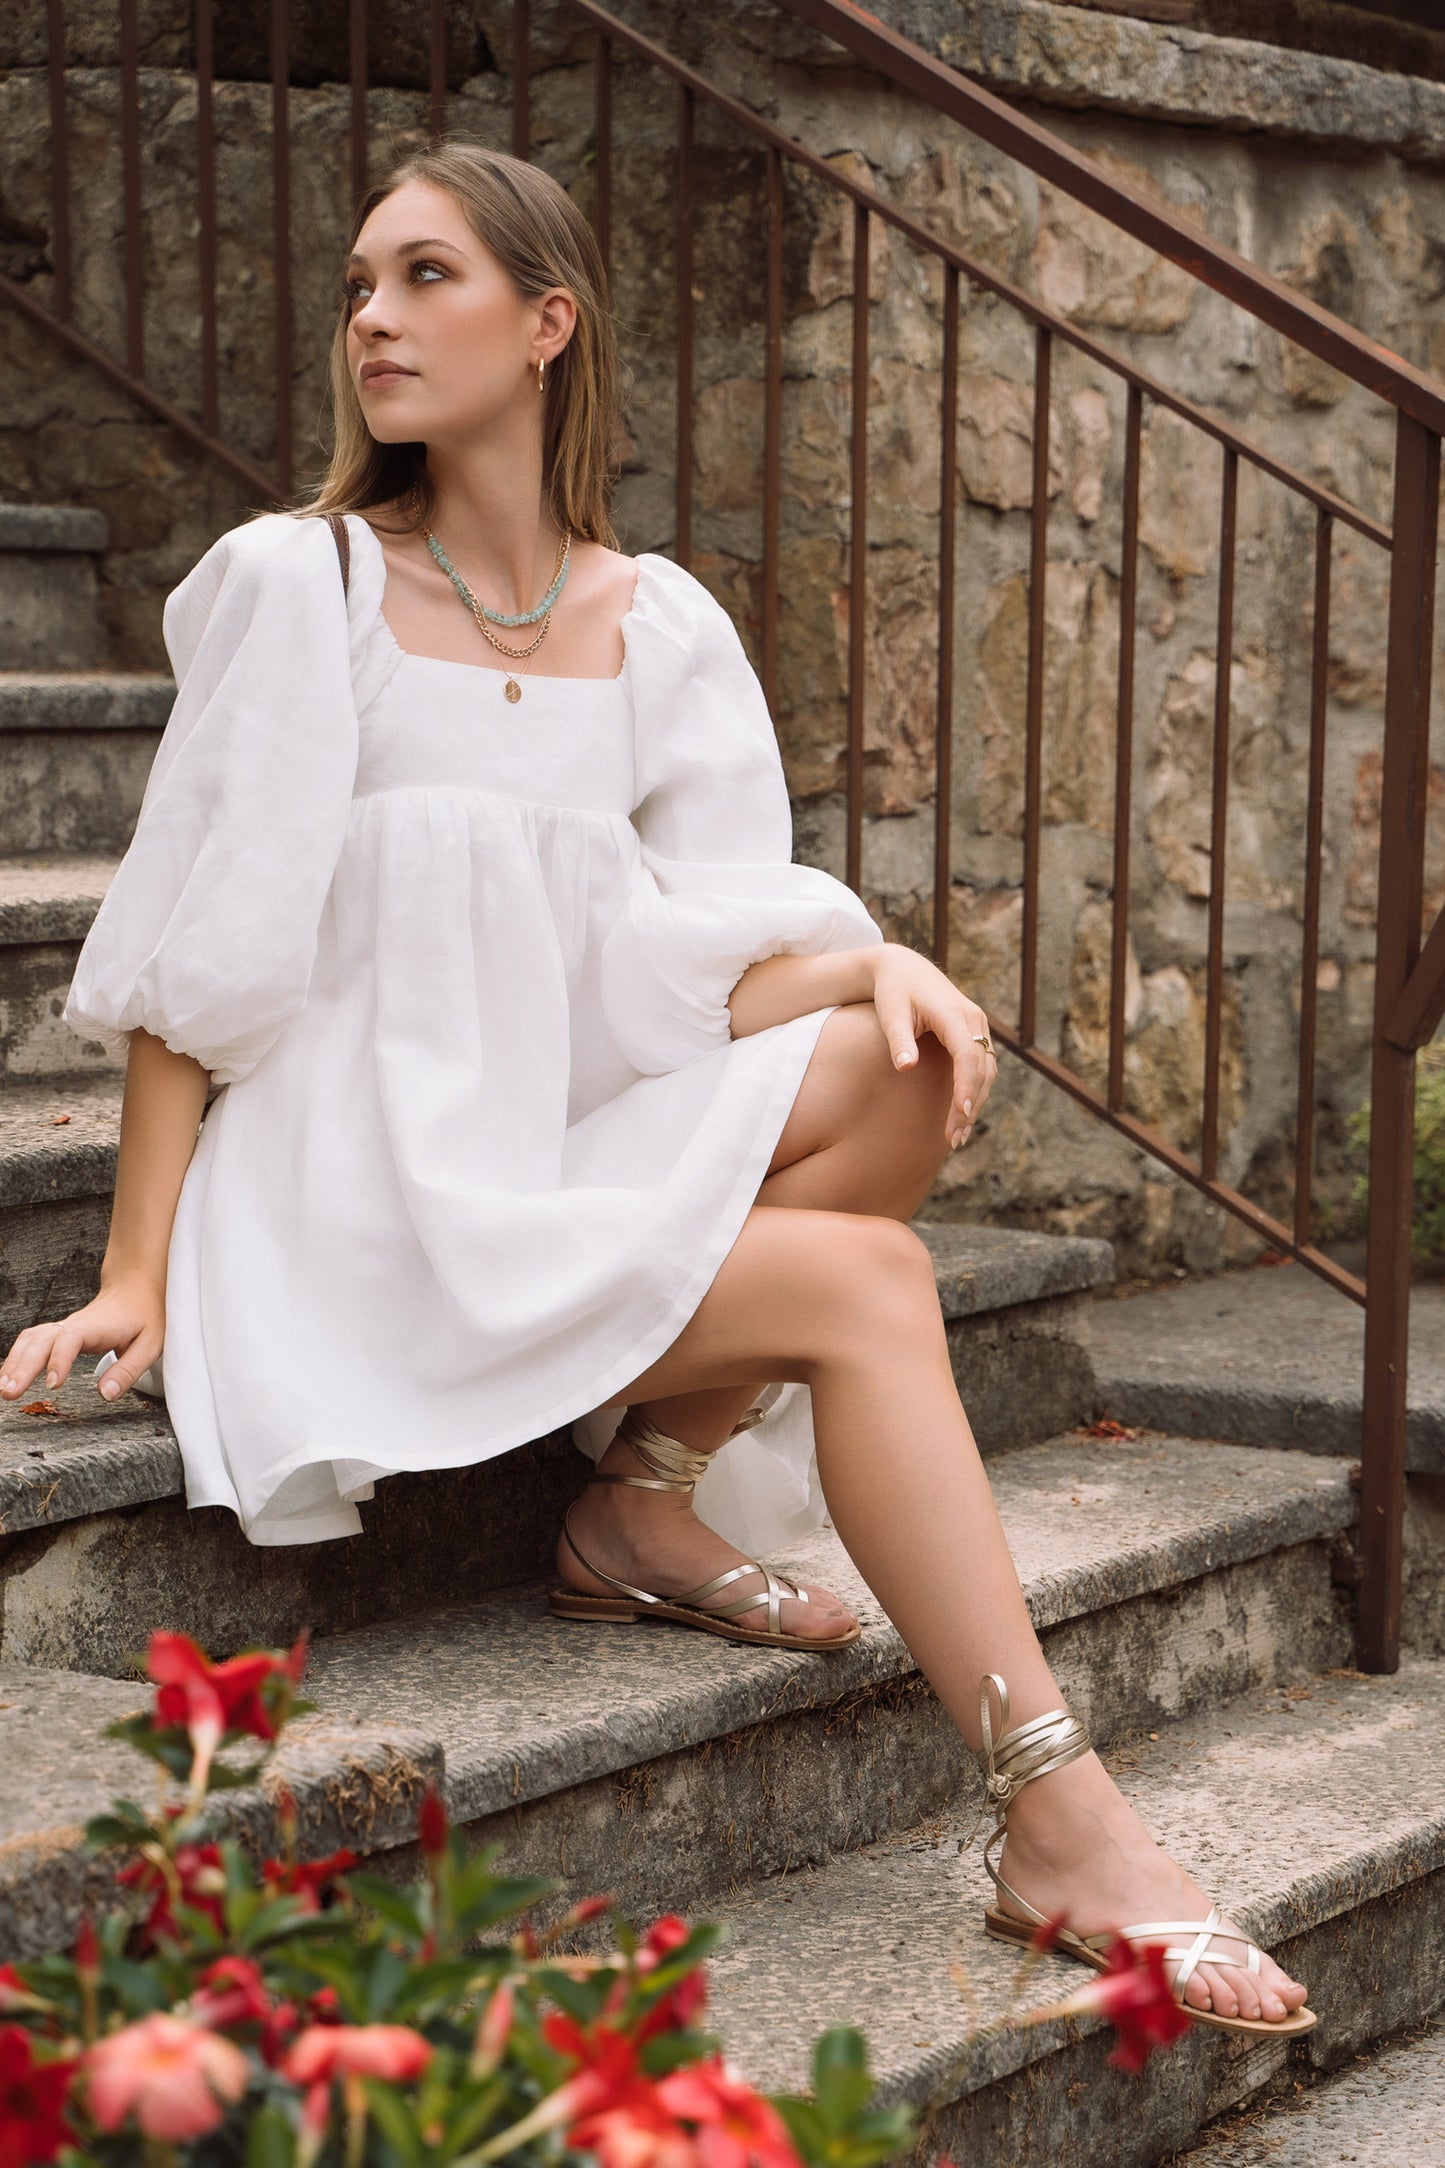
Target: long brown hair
{"points": [[535, 230]]}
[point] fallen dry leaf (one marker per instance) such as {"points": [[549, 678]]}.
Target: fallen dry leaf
{"points": [[40, 1407], [1106, 1427]]}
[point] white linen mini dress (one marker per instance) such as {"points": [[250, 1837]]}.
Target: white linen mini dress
{"points": [[462, 968]]}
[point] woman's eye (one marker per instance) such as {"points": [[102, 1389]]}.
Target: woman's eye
{"points": [[351, 288]]}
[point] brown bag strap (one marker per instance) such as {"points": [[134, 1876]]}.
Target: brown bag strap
{"points": [[340, 534]]}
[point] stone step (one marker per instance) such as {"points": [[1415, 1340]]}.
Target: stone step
{"points": [[48, 900], [50, 604], [665, 1764], [78, 747], [1383, 2110], [1014, 1306], [1269, 1356], [1317, 1822]]}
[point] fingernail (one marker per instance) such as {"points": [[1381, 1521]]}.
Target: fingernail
{"points": [[109, 1387], [52, 1377], [968, 1106]]}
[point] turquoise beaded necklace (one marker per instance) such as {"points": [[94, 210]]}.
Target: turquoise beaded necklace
{"points": [[499, 617], [481, 613]]}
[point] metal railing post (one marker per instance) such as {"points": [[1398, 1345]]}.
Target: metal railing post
{"points": [[1392, 1075]]}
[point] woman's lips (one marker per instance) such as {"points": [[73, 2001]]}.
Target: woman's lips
{"points": [[381, 377]]}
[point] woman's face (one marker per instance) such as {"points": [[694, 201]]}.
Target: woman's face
{"points": [[440, 344]]}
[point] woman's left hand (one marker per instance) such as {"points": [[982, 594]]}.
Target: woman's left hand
{"points": [[911, 995]]}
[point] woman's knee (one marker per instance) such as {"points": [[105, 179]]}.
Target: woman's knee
{"points": [[881, 1279]]}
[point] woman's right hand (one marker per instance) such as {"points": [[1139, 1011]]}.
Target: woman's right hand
{"points": [[128, 1314]]}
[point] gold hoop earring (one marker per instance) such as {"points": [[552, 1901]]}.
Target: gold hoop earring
{"points": [[541, 386]]}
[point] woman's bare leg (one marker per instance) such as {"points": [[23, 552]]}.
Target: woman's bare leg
{"points": [[851, 1307], [863, 1137]]}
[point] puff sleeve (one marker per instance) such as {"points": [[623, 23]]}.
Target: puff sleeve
{"points": [[715, 888], [207, 934]]}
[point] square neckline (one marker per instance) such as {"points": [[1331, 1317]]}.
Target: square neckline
{"points": [[448, 662]]}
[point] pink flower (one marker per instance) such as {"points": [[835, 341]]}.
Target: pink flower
{"points": [[324, 2052], [32, 2098], [165, 2072], [737, 2125], [375, 2051]]}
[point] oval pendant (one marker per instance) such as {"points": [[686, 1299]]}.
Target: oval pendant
{"points": [[513, 690]]}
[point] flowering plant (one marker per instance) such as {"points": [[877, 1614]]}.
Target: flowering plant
{"points": [[302, 2014]]}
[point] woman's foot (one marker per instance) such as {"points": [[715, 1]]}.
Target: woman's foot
{"points": [[1075, 1845], [654, 1540]]}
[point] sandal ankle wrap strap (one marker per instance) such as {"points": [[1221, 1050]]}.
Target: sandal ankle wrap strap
{"points": [[680, 1467], [1030, 1750]]}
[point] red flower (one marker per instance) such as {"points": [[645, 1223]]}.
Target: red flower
{"points": [[212, 1699], [1134, 1996], [230, 1991], [615, 2110], [432, 1824], [683, 2004], [308, 1880], [202, 1872], [165, 2072], [32, 2125], [1043, 1939], [738, 2126]]}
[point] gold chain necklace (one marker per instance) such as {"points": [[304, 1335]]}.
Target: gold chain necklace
{"points": [[512, 689]]}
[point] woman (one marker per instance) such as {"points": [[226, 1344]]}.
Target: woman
{"points": [[556, 1089]]}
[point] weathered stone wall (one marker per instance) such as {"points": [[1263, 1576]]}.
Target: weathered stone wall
{"points": [[1359, 225]]}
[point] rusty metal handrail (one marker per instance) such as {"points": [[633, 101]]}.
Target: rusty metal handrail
{"points": [[983, 114], [1410, 982]]}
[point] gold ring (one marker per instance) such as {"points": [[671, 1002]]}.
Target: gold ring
{"points": [[986, 1044]]}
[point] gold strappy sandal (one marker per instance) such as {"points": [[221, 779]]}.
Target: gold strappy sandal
{"points": [[677, 1467], [1032, 1750]]}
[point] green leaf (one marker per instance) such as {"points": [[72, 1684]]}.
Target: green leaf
{"points": [[474, 2113], [397, 2120], [140, 1988], [270, 2142], [388, 1978], [499, 1902], [669, 2051], [387, 1902], [580, 1999], [809, 2133]]}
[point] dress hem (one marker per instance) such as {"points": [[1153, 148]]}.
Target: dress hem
{"points": [[645, 1349]]}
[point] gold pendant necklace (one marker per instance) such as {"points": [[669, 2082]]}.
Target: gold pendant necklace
{"points": [[511, 688]]}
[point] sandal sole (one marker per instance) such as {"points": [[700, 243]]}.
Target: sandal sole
{"points": [[1007, 1929], [563, 1603]]}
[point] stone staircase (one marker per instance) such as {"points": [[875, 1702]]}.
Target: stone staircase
{"points": [[1194, 1597]]}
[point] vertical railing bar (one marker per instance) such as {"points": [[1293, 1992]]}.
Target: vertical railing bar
{"points": [[1219, 814], [772, 429], [206, 214], [1314, 856], [59, 156], [602, 143], [360, 160], [437, 68], [521, 78], [857, 548], [281, 237], [685, 102], [947, 543], [1034, 687], [1124, 746], [1409, 667], [130, 191]]}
